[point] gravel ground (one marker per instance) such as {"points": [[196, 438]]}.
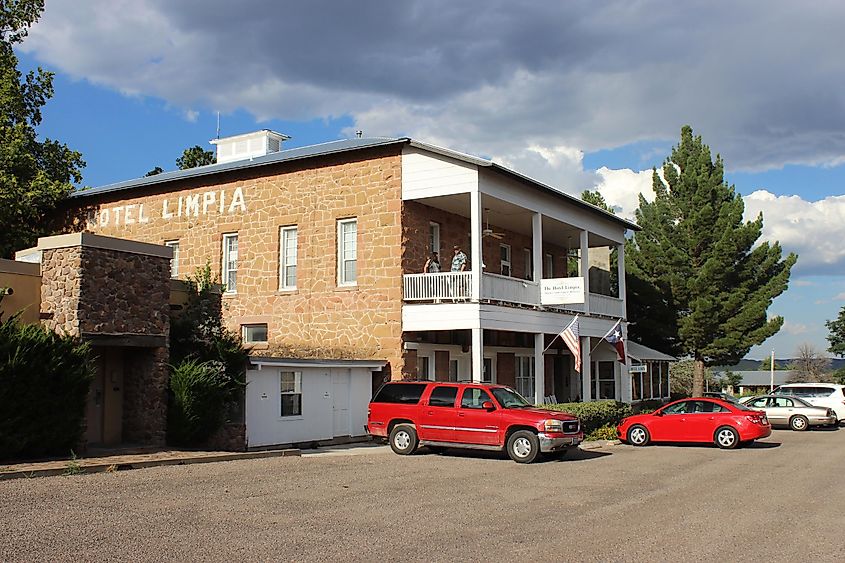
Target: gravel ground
{"points": [[779, 500]]}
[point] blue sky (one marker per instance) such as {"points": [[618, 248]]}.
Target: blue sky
{"points": [[578, 95]]}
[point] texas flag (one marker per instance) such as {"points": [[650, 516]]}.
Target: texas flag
{"points": [[614, 337]]}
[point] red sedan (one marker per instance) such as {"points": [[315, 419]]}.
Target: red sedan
{"points": [[696, 420]]}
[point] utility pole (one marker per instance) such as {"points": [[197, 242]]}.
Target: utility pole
{"points": [[772, 374]]}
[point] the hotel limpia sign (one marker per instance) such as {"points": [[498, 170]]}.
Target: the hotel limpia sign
{"points": [[561, 291], [220, 202]]}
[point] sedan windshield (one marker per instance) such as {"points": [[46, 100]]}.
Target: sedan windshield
{"points": [[510, 399]]}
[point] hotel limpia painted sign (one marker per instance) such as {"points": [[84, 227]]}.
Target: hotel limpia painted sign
{"points": [[219, 202]]}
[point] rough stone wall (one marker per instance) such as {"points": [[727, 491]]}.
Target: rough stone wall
{"points": [[61, 283], [318, 319], [145, 381], [124, 293]]}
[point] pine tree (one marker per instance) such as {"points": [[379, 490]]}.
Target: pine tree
{"points": [[837, 334], [698, 285]]}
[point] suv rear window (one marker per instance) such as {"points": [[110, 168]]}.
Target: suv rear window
{"points": [[404, 393]]}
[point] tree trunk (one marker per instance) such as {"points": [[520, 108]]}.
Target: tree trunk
{"points": [[698, 378]]}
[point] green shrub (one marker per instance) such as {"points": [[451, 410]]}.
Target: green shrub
{"points": [[199, 392], [606, 432], [44, 381], [594, 415]]}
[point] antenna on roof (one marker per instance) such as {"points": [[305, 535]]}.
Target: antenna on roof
{"points": [[218, 124]]}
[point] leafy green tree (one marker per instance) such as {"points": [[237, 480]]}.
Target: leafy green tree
{"points": [[766, 365], [699, 286], [35, 176], [195, 156], [731, 379], [837, 334], [596, 199]]}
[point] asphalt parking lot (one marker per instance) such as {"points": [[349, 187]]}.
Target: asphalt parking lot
{"points": [[778, 500]]}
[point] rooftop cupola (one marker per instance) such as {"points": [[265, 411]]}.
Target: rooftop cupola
{"points": [[248, 145]]}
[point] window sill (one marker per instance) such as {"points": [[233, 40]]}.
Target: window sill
{"points": [[293, 417], [256, 345], [347, 288], [287, 291], [229, 294]]}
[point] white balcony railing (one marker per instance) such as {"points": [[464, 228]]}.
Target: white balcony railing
{"points": [[444, 285], [458, 285], [510, 290]]}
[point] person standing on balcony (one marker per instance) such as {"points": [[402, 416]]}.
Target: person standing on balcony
{"points": [[459, 264], [432, 265]]}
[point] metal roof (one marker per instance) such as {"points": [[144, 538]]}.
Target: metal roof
{"points": [[334, 147], [640, 353], [761, 377]]}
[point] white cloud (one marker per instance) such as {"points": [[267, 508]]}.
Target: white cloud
{"points": [[191, 115], [813, 229], [582, 76], [839, 296], [621, 189], [794, 328]]}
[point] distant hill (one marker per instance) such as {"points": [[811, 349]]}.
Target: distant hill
{"points": [[748, 364]]}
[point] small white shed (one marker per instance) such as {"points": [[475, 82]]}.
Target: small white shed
{"points": [[290, 401]]}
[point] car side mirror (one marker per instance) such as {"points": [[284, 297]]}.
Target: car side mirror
{"points": [[488, 406]]}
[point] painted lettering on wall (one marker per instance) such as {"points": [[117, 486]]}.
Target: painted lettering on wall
{"points": [[193, 205]]}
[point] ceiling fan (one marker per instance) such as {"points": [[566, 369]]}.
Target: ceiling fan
{"points": [[488, 232]]}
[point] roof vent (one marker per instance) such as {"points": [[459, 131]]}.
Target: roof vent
{"points": [[248, 145]]}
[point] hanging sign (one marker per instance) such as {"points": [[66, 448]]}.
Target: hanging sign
{"points": [[561, 291]]}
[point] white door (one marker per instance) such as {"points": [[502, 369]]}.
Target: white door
{"points": [[341, 381], [262, 406]]}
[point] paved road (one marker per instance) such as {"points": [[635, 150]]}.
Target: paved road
{"points": [[779, 500]]}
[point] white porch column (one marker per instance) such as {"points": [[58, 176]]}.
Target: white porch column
{"points": [[537, 247], [620, 274], [475, 251], [585, 269], [586, 369], [539, 368], [477, 354]]}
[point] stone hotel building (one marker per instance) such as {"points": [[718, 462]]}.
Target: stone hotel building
{"points": [[321, 250]]}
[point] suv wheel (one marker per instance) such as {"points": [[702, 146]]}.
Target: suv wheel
{"points": [[523, 446], [403, 439]]}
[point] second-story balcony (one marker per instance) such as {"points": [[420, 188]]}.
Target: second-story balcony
{"points": [[449, 287]]}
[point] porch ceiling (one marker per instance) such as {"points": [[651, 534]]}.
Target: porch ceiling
{"points": [[504, 215]]}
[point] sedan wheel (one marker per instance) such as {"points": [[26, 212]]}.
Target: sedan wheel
{"points": [[638, 436], [726, 438], [799, 423]]}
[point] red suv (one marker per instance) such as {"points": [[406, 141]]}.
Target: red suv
{"points": [[468, 415]]}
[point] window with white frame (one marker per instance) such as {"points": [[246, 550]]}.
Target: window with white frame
{"points": [[291, 393], [604, 382], [529, 263], [229, 270], [287, 258], [254, 333], [548, 266], [525, 376], [434, 237], [347, 252], [174, 262], [505, 252]]}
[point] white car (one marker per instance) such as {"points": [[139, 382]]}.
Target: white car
{"points": [[797, 414], [830, 395]]}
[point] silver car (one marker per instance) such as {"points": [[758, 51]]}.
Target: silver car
{"points": [[798, 414]]}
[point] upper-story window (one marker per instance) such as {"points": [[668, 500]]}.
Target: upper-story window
{"points": [[174, 262], [434, 237], [287, 258], [229, 270], [505, 251], [347, 252]]}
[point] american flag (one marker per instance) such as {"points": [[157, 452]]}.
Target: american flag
{"points": [[572, 336]]}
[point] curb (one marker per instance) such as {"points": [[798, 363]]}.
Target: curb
{"points": [[107, 466], [597, 444]]}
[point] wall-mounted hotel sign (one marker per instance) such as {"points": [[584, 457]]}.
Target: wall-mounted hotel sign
{"points": [[561, 291]]}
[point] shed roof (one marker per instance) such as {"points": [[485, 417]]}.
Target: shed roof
{"points": [[641, 353]]}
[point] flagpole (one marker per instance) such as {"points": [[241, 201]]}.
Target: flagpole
{"points": [[559, 333], [605, 336]]}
